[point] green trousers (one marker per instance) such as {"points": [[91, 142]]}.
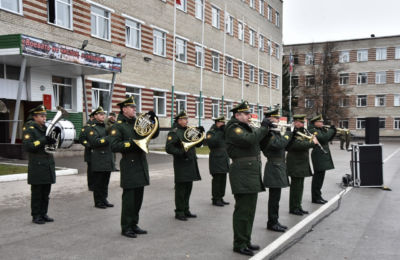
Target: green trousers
{"points": [[243, 218], [273, 206], [316, 185], [131, 203], [182, 196], [40, 199], [342, 143], [100, 186], [296, 193], [218, 186], [89, 174]]}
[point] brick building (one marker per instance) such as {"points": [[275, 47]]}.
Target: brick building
{"points": [[140, 33], [373, 73]]}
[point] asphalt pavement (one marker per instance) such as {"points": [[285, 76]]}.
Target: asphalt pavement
{"points": [[364, 227]]}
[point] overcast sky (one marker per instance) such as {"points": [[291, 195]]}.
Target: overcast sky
{"points": [[324, 20]]}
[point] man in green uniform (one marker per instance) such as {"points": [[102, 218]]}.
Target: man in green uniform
{"points": [[218, 161], [185, 165], [102, 161], [84, 140], [344, 136], [321, 161], [134, 167], [41, 166], [29, 119], [275, 175], [298, 164], [110, 121], [244, 144]]}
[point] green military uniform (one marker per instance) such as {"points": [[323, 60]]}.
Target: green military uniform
{"points": [[109, 123], [134, 167], [298, 166], [345, 136], [275, 172], [102, 161], [84, 140], [186, 168], [243, 145], [218, 162], [29, 119], [41, 166], [321, 161]]}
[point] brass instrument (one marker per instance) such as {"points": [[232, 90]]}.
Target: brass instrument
{"points": [[320, 146], [51, 131], [281, 128], [338, 130], [144, 127], [193, 136], [302, 136], [254, 124]]}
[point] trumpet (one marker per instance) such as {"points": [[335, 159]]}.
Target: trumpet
{"points": [[144, 127], [281, 128], [304, 136], [254, 124], [194, 137], [337, 129]]}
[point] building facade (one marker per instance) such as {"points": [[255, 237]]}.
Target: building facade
{"points": [[372, 72], [232, 64]]}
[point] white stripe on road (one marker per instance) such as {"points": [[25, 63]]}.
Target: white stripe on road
{"points": [[285, 237]]}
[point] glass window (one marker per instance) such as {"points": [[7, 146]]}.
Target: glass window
{"points": [[261, 77], [251, 3], [269, 47], [228, 107], [278, 18], [260, 112], [12, 72], [360, 123], [60, 12], [199, 56], [159, 103], [309, 103], [344, 56], [11, 5], [251, 37], [344, 102], [382, 123], [199, 9], [397, 100], [229, 25], [397, 76], [397, 55], [100, 95], [198, 107], [100, 19], [295, 102], [309, 58], [396, 123], [310, 81], [158, 42], [381, 53], [133, 34], [229, 66], [215, 61], [362, 55], [362, 78], [380, 77], [251, 109], [261, 7], [344, 79], [344, 124], [137, 95], [278, 51], [261, 43], [380, 100], [295, 81], [241, 31], [215, 17], [215, 108], [251, 73], [269, 13], [180, 50], [182, 6], [269, 79], [277, 82], [361, 101], [241, 69], [62, 92], [180, 102], [296, 59], [2, 71]]}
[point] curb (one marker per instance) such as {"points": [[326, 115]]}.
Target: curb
{"points": [[199, 156], [24, 176]]}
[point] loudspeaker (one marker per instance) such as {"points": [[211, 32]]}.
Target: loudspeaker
{"points": [[367, 165], [372, 130]]}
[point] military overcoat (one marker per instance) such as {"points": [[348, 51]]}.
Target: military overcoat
{"points": [[102, 159], [134, 167], [84, 140], [275, 172], [41, 166], [321, 161], [241, 141], [186, 169], [218, 160]]}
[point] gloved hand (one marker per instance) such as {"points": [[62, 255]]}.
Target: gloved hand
{"points": [[267, 122], [200, 129], [50, 140], [222, 128], [294, 132], [152, 116], [185, 156], [333, 127]]}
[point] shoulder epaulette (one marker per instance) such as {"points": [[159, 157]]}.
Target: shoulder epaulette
{"points": [[174, 130], [93, 125], [118, 122]]}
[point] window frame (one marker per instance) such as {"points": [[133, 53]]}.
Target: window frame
{"points": [[197, 103], [396, 98], [20, 7], [344, 77], [380, 123], [252, 4], [251, 37], [201, 53], [241, 31], [229, 65], [260, 76], [344, 102], [359, 123], [344, 57], [139, 30], [378, 99], [277, 79], [251, 73], [197, 9], [381, 53], [182, 6], [70, 27], [155, 41], [228, 106], [309, 58], [178, 100], [213, 58], [178, 46], [362, 55], [97, 27], [342, 122], [359, 101], [138, 104], [269, 79], [396, 122], [310, 80], [380, 77], [308, 103], [213, 105], [229, 26], [278, 50], [261, 42], [261, 7], [269, 13], [397, 52], [215, 14], [397, 76], [55, 100], [277, 20], [360, 76], [155, 104], [241, 69], [97, 104]]}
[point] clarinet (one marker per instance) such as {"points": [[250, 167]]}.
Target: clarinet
{"points": [[320, 146]]}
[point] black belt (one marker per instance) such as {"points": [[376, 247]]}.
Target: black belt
{"points": [[325, 145], [276, 159], [217, 149], [133, 155], [40, 155], [100, 148], [252, 158], [303, 153]]}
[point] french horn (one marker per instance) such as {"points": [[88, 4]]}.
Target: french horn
{"points": [[193, 136], [144, 127]]}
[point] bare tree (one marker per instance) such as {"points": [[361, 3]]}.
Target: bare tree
{"points": [[286, 83]]}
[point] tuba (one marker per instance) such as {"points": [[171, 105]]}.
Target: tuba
{"points": [[193, 136], [144, 127], [52, 130]]}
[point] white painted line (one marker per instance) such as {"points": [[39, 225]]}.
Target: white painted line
{"points": [[285, 237], [199, 156]]}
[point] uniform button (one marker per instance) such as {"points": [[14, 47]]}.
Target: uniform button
{"points": [[133, 160], [249, 163]]}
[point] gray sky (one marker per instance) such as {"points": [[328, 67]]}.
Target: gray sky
{"points": [[324, 20]]}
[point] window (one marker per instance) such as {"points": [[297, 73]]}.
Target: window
{"points": [[251, 107], [100, 95], [276, 81], [14, 6], [310, 81], [260, 112], [344, 79], [199, 9], [252, 5], [261, 43], [182, 6], [215, 61], [137, 95], [269, 43], [360, 123], [100, 20], [133, 34], [9, 72], [381, 54], [241, 31], [241, 69], [251, 37], [309, 58], [229, 25], [229, 66], [269, 13], [362, 55], [159, 43], [59, 12], [362, 78], [261, 77], [215, 108], [380, 100], [309, 103], [199, 56], [278, 17], [215, 17], [180, 102], [278, 51], [380, 77], [269, 79], [396, 123], [228, 106], [295, 81], [344, 124], [2, 71], [344, 102], [361, 101], [397, 76], [295, 102], [198, 107], [262, 7], [397, 100], [382, 123], [344, 56], [159, 103], [180, 50], [62, 92], [251, 73], [397, 55]]}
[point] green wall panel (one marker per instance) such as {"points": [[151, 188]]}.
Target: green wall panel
{"points": [[10, 41]]}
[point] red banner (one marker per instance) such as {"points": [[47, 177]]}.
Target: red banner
{"points": [[47, 101]]}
